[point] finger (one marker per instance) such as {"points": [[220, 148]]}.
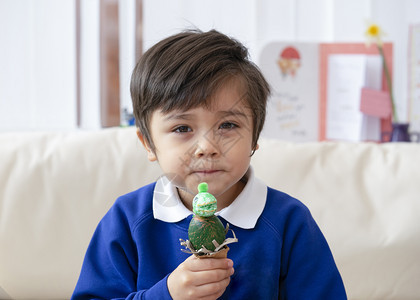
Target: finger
{"points": [[211, 276], [198, 264], [209, 291]]}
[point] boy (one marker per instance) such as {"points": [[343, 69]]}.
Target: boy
{"points": [[200, 106]]}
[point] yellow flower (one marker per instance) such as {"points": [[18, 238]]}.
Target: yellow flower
{"points": [[374, 33]]}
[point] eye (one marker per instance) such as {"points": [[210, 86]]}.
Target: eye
{"points": [[182, 129], [228, 125]]}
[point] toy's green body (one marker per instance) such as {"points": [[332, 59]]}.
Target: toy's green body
{"points": [[205, 227]]}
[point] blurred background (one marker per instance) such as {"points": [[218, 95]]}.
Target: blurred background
{"points": [[66, 64]]}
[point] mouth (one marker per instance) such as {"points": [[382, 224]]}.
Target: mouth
{"points": [[206, 172]]}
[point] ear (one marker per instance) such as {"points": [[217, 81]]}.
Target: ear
{"points": [[150, 153], [255, 149]]}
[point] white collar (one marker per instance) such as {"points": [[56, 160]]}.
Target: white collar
{"points": [[243, 212]]}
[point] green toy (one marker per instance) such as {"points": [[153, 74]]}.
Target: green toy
{"points": [[206, 233], [205, 226]]}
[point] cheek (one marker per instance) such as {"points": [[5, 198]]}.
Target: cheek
{"points": [[239, 149], [241, 157], [173, 160], [172, 168]]}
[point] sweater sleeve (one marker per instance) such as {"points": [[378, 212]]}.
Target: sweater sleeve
{"points": [[308, 267], [109, 270]]}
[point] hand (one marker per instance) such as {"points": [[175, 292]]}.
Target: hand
{"points": [[197, 278]]}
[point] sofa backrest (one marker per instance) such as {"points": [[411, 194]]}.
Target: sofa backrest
{"points": [[55, 187]]}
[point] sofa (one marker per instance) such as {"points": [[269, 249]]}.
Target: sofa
{"points": [[56, 186]]}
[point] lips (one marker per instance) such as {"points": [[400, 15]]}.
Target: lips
{"points": [[206, 172]]}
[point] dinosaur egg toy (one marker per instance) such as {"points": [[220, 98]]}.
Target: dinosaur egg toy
{"points": [[205, 226], [206, 233]]}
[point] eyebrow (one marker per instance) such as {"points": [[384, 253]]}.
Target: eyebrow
{"points": [[190, 116], [179, 116], [234, 112]]}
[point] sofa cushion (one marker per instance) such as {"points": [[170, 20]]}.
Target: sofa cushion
{"points": [[55, 187], [366, 199]]}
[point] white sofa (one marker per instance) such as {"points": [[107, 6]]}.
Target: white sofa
{"points": [[55, 187]]}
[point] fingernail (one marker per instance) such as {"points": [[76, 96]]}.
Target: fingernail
{"points": [[230, 263]]}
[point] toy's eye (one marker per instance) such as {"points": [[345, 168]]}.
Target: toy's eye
{"points": [[182, 129]]}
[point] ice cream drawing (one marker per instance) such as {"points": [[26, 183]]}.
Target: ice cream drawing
{"points": [[289, 61]]}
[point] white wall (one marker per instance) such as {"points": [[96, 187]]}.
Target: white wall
{"points": [[37, 64], [37, 55]]}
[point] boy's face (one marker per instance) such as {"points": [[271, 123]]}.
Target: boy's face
{"points": [[205, 144]]}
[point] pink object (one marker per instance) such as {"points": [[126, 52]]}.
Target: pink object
{"points": [[375, 103]]}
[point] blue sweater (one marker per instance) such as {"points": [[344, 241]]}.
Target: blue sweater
{"points": [[285, 256]]}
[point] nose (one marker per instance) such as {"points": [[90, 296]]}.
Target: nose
{"points": [[206, 147]]}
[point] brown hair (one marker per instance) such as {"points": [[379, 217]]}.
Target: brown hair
{"points": [[183, 71]]}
